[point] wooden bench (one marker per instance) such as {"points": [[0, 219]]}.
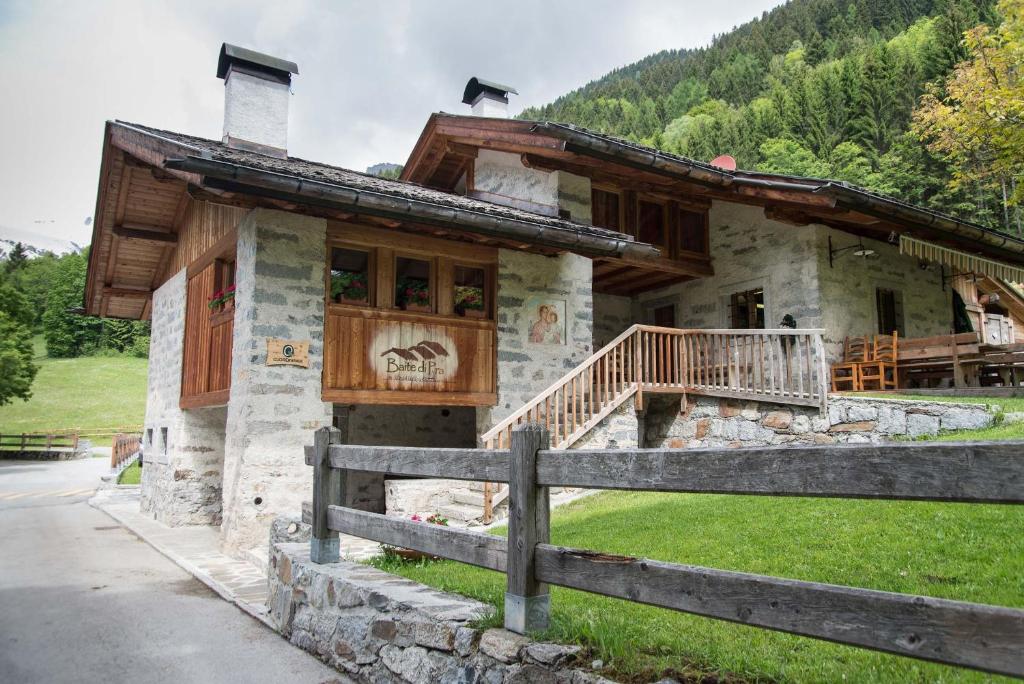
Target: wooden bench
{"points": [[924, 359]]}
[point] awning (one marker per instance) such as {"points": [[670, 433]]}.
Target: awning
{"points": [[961, 261]]}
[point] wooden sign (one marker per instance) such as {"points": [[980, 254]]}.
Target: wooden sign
{"points": [[287, 353]]}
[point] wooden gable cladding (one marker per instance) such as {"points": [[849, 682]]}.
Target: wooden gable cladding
{"points": [[148, 228], [206, 357]]}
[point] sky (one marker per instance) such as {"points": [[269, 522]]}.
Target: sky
{"points": [[371, 73]]}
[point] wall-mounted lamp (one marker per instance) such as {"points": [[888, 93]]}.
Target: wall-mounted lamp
{"points": [[859, 250]]}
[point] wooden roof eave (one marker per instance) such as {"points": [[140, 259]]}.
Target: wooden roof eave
{"points": [[90, 303]]}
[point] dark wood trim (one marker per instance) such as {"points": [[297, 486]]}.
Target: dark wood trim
{"points": [[225, 246], [146, 234], [219, 398], [409, 397]]}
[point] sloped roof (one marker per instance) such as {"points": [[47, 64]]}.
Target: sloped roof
{"points": [[335, 175]]}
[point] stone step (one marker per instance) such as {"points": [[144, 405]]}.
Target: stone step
{"points": [[461, 512], [470, 497]]}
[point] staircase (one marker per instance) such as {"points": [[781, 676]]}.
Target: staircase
{"points": [[783, 366]]}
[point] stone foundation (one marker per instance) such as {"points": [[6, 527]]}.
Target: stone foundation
{"points": [[377, 627], [710, 422]]}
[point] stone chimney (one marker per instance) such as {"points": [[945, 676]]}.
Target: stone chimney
{"points": [[256, 93], [487, 98]]}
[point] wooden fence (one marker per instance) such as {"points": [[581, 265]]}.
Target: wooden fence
{"points": [[39, 442], [123, 449], [977, 636]]}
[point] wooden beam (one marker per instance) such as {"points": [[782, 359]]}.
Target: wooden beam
{"points": [[455, 464], [982, 637], [110, 291], [145, 234], [476, 548], [984, 472]]}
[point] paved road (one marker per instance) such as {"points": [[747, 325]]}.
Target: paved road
{"points": [[83, 600]]}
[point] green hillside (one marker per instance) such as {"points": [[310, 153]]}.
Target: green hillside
{"points": [[821, 88], [91, 392]]}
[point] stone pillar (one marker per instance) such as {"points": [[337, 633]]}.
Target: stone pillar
{"points": [[273, 410], [183, 450]]}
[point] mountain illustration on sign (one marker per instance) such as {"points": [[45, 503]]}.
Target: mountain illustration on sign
{"points": [[424, 350]]}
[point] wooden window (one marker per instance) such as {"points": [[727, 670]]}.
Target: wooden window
{"points": [[470, 292], [747, 309], [604, 209], [665, 316], [692, 233], [650, 223], [413, 284], [890, 311], [351, 276]]}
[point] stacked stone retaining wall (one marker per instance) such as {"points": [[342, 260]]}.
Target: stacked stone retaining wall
{"points": [[377, 627], [711, 422]]}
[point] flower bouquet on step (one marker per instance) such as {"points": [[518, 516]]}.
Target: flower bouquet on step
{"points": [[411, 554]]}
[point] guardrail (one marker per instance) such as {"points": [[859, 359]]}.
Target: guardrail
{"points": [[977, 636], [124, 449], [39, 442]]}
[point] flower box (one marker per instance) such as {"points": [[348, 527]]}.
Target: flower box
{"points": [[353, 301], [474, 313], [419, 308]]}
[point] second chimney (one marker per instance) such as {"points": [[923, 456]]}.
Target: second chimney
{"points": [[256, 93], [487, 98]]}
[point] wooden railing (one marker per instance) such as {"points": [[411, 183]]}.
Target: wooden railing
{"points": [[782, 366], [30, 441], [982, 637], [123, 450]]}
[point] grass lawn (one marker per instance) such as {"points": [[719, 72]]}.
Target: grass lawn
{"points": [[132, 475], [88, 392], [956, 551]]}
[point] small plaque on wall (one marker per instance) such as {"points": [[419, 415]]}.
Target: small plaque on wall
{"points": [[287, 353]]}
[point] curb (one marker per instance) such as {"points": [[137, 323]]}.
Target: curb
{"points": [[256, 611]]}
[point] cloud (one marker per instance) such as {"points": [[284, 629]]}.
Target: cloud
{"points": [[370, 73]]}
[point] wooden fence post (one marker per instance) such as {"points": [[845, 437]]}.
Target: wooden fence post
{"points": [[327, 491], [527, 602]]}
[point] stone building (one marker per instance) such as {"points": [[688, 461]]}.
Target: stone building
{"points": [[286, 295]]}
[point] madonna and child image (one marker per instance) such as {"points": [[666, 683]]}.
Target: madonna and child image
{"points": [[547, 322]]}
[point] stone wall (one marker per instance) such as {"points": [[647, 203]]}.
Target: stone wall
{"points": [[377, 627], [184, 450], [273, 410], [749, 252], [711, 422], [612, 315], [619, 430], [524, 368], [848, 288]]}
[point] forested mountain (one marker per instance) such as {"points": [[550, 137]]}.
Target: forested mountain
{"points": [[821, 88]]}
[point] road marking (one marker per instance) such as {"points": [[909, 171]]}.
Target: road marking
{"points": [[76, 492]]}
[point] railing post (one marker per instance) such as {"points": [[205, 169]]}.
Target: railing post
{"points": [[327, 491], [638, 371], [527, 602]]}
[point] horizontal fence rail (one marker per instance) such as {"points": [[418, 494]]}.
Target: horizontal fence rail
{"points": [[977, 636], [31, 441]]}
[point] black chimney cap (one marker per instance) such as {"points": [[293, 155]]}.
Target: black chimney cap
{"points": [[252, 61], [475, 86]]}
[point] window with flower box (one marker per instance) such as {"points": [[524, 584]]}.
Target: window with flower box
{"points": [[350, 276]]}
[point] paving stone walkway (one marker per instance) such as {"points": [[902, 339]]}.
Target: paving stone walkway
{"points": [[196, 549]]}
